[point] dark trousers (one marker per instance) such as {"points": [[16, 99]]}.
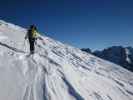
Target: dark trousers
{"points": [[32, 45]]}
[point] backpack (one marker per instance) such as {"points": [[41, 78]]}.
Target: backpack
{"points": [[32, 33]]}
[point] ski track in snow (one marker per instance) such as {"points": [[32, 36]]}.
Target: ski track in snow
{"points": [[57, 71]]}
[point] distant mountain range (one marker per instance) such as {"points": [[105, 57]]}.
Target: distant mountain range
{"points": [[122, 56]]}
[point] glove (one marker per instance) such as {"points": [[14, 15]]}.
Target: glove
{"points": [[36, 38], [25, 37]]}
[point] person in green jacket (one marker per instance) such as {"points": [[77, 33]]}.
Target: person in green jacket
{"points": [[32, 37]]}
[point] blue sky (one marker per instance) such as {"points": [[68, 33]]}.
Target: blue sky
{"points": [[82, 23]]}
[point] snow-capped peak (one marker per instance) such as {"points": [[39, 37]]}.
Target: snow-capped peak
{"points": [[57, 72], [127, 56]]}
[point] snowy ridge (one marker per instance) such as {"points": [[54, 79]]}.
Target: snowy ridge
{"points": [[57, 72], [11, 26]]}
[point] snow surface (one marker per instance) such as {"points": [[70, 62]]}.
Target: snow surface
{"points": [[56, 71]]}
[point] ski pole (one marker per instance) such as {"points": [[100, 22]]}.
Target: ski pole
{"points": [[24, 45]]}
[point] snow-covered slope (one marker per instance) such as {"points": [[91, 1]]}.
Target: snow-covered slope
{"points": [[56, 71]]}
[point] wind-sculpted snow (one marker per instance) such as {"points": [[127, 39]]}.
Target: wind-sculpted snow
{"points": [[56, 71]]}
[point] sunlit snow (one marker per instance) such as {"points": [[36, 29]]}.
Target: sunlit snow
{"points": [[56, 71]]}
